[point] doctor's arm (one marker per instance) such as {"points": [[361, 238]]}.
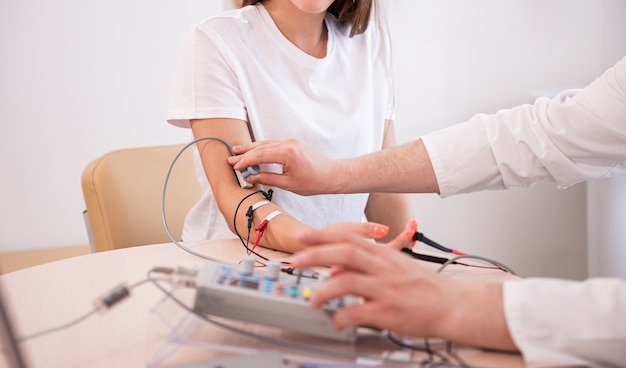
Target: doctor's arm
{"points": [[404, 169], [575, 136]]}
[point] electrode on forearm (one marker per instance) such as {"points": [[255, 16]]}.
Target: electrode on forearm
{"points": [[243, 175]]}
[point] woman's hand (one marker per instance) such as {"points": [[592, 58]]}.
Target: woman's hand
{"points": [[373, 230], [367, 230], [305, 171]]}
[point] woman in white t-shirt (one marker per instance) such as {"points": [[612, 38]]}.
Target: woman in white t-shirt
{"points": [[316, 71]]}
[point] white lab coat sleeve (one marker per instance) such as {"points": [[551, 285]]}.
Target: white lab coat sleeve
{"points": [[578, 135], [568, 323]]}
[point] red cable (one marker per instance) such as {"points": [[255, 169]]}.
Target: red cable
{"points": [[261, 229]]}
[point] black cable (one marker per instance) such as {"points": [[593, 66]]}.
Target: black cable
{"points": [[268, 196], [443, 260], [443, 361], [424, 257], [302, 273], [456, 356], [421, 237], [431, 352], [426, 349], [243, 242]]}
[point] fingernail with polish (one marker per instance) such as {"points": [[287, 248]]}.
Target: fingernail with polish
{"points": [[381, 230], [409, 234]]}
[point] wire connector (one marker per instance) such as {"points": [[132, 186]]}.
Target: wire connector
{"points": [[261, 228], [253, 208], [308, 273], [113, 297], [268, 195], [422, 238]]}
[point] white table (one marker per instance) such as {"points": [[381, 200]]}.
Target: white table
{"points": [[139, 331]]}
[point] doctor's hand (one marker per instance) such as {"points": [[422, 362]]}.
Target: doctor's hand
{"points": [[305, 171], [401, 295]]}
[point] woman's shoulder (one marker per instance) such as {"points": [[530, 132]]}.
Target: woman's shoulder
{"points": [[230, 20], [368, 40]]}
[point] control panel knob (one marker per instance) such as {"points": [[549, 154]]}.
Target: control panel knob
{"points": [[247, 265], [273, 268]]}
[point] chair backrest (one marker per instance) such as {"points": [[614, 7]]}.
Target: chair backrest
{"points": [[123, 191]]}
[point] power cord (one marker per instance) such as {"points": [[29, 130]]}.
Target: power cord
{"points": [[167, 177], [179, 276]]}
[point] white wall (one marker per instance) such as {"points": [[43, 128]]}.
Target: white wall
{"points": [[80, 78], [606, 200], [456, 58], [606, 203]]}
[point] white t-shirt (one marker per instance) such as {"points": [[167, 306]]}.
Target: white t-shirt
{"points": [[576, 136], [239, 65]]}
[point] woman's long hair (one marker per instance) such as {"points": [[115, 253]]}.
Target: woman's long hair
{"points": [[355, 13]]}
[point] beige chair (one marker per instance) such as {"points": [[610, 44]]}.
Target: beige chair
{"points": [[122, 192]]}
